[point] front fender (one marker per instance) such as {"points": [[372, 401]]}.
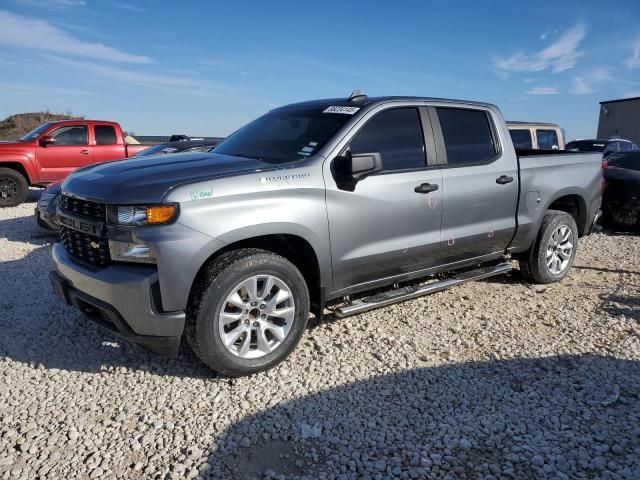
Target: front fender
{"points": [[27, 162], [319, 246], [181, 252]]}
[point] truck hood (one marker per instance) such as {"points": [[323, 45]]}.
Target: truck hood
{"points": [[13, 145], [142, 180]]}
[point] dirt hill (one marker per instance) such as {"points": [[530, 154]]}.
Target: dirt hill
{"points": [[15, 126]]}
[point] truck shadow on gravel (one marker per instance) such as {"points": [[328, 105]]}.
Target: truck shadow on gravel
{"points": [[562, 417], [622, 305], [24, 229], [39, 330], [616, 304], [606, 270]]}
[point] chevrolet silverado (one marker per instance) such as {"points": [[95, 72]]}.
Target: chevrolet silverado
{"points": [[331, 206]]}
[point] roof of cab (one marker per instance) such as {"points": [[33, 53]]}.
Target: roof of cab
{"points": [[521, 123], [83, 120], [600, 140], [369, 101]]}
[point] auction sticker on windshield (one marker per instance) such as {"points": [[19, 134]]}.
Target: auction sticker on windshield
{"points": [[338, 109]]}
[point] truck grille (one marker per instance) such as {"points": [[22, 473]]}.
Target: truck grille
{"points": [[93, 210], [82, 246], [89, 249]]}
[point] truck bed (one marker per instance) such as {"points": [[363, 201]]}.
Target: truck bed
{"points": [[556, 176]]}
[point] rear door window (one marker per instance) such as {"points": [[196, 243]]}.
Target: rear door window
{"points": [[547, 139], [397, 135], [629, 161], [468, 136], [521, 138], [105, 135], [610, 148]]}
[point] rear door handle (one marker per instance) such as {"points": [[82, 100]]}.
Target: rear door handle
{"points": [[425, 188], [504, 179], [84, 152]]}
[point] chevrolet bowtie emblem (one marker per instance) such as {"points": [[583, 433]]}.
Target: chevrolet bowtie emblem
{"points": [[94, 245]]}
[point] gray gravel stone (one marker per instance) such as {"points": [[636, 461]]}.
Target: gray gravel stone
{"points": [[495, 379]]}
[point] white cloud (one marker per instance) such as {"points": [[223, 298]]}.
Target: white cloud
{"points": [[24, 32], [128, 6], [53, 3], [43, 91], [543, 91], [561, 55], [581, 87], [590, 82], [68, 3], [178, 83], [549, 32], [634, 61]]}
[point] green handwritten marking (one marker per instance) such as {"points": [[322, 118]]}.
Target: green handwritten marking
{"points": [[201, 194]]}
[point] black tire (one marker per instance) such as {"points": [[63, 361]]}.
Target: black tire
{"points": [[208, 298], [534, 265], [14, 188]]}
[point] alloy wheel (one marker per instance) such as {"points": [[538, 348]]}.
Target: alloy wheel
{"points": [[8, 187], [559, 250], [256, 316]]}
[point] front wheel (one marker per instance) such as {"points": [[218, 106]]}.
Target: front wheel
{"points": [[14, 188], [248, 312], [552, 255]]}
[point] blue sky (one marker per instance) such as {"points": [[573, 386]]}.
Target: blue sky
{"points": [[206, 68]]}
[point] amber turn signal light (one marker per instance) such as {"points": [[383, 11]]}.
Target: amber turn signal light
{"points": [[160, 214]]}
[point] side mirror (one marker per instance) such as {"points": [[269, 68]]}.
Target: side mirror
{"points": [[46, 140], [358, 165]]}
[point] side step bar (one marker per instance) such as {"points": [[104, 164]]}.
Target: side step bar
{"points": [[408, 293]]}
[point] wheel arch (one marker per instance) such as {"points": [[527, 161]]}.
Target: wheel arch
{"points": [[571, 201], [18, 167], [294, 247]]}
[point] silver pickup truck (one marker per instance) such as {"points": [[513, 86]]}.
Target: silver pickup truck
{"points": [[339, 205]]}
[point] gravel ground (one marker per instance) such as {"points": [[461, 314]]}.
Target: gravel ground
{"points": [[495, 379]]}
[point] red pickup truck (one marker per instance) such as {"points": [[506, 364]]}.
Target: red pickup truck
{"points": [[53, 150]]}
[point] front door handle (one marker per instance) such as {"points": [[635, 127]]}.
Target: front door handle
{"points": [[425, 188], [504, 179], [84, 152]]}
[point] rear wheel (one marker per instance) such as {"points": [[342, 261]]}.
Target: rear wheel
{"points": [[248, 312], [14, 188], [552, 255]]}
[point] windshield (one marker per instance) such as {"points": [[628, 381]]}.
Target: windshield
{"points": [[35, 133], [629, 160], [284, 135], [586, 146]]}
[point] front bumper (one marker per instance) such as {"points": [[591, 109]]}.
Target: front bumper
{"points": [[45, 213], [124, 299]]}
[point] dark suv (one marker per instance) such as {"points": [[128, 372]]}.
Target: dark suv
{"points": [[607, 147]]}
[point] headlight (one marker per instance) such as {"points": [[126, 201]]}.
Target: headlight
{"points": [[130, 252], [142, 215]]}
